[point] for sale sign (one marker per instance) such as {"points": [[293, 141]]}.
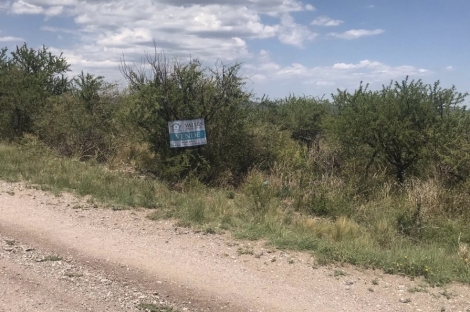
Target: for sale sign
{"points": [[185, 133]]}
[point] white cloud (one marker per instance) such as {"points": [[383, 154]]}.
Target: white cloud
{"points": [[309, 7], [222, 19], [348, 74], [195, 30], [10, 39], [44, 3], [126, 36], [361, 64], [326, 21], [54, 10], [357, 33], [294, 70], [47, 7], [292, 33], [450, 68], [21, 7], [203, 21], [258, 78], [271, 7]]}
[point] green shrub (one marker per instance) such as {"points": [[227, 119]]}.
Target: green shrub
{"points": [[27, 79], [401, 125], [174, 91]]}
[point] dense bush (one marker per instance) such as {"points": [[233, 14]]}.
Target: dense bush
{"points": [[400, 125], [82, 123], [302, 116], [173, 91], [28, 78]]}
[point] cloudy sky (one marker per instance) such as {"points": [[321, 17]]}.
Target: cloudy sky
{"points": [[286, 46]]}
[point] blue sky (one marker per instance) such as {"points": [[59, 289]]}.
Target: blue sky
{"points": [[286, 46]]}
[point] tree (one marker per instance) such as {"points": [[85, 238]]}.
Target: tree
{"points": [[88, 89], [81, 122], [4, 90], [399, 124], [27, 78]]}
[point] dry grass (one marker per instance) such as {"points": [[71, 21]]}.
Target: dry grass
{"points": [[131, 156], [464, 252], [345, 229], [424, 195], [350, 229]]}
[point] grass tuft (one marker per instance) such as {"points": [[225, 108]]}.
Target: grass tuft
{"points": [[51, 258]]}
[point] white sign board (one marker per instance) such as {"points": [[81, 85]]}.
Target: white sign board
{"points": [[185, 133]]}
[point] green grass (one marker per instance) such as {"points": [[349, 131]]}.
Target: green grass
{"points": [[37, 165], [381, 232]]}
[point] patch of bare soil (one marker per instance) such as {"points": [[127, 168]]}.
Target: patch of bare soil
{"points": [[63, 254]]}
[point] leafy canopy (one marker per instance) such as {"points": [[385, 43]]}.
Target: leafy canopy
{"points": [[27, 78], [399, 124]]}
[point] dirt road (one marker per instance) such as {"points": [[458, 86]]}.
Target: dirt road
{"points": [[63, 254]]}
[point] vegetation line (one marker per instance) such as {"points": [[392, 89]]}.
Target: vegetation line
{"points": [[257, 211]]}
